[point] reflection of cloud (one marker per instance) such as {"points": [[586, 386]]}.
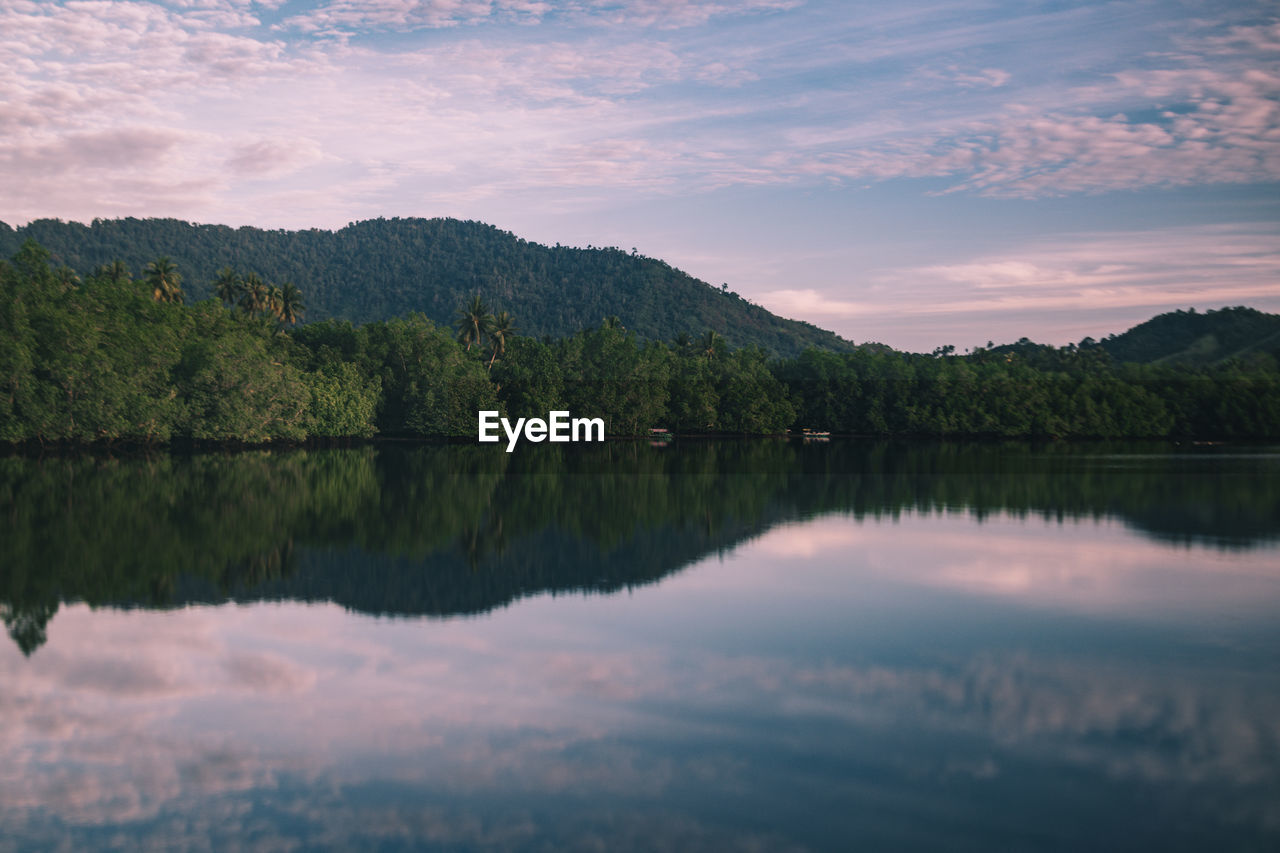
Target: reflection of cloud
{"points": [[204, 718], [1153, 726], [1087, 566], [807, 540], [89, 728], [267, 673]]}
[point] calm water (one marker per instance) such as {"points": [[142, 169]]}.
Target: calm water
{"points": [[708, 646]]}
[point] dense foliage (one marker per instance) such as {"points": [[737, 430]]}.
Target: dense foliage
{"points": [[1187, 337], [108, 358], [1032, 390], [385, 268]]}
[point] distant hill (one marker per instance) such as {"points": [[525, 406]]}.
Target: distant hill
{"points": [[383, 268], [1198, 339]]}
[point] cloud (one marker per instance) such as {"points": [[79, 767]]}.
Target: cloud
{"points": [[578, 116], [1239, 40], [346, 16], [1217, 128], [273, 157], [341, 15], [967, 78], [1106, 271], [115, 149], [1087, 283], [675, 13], [468, 120], [98, 96]]}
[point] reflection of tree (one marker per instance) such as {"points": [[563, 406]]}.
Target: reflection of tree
{"points": [[27, 627], [256, 569], [481, 540], [446, 529]]}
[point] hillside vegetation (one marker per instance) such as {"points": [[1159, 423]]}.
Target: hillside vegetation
{"points": [[1187, 337], [385, 268], [99, 356]]}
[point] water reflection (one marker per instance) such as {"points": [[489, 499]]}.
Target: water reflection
{"points": [[906, 647], [443, 530]]}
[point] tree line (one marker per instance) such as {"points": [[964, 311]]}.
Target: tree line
{"points": [[113, 358]]}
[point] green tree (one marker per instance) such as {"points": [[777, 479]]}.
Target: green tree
{"points": [[607, 375], [228, 286], [165, 280], [501, 328], [67, 278], [275, 297], [711, 345], [117, 272], [529, 380], [751, 399], [292, 306], [255, 297], [344, 402], [474, 322], [236, 381], [693, 402]]}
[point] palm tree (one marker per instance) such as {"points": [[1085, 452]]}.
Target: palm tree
{"points": [[292, 306], [228, 286], [116, 272], [711, 344], [275, 296], [474, 322], [613, 322], [501, 326], [254, 295], [682, 342], [165, 281]]}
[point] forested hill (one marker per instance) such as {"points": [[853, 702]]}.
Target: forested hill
{"points": [[1198, 339], [384, 268]]}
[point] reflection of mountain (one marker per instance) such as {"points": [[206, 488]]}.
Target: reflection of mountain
{"points": [[437, 529], [448, 583], [445, 583]]}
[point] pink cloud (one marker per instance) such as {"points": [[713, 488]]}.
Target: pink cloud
{"points": [[273, 157], [337, 16], [1085, 284]]}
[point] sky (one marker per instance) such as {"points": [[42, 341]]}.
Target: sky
{"points": [[915, 173]]}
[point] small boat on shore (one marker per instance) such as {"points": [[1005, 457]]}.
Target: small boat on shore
{"points": [[660, 437]]}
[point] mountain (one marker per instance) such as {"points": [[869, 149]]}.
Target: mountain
{"points": [[383, 268], [1198, 339]]}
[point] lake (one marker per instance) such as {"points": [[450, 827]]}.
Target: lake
{"points": [[737, 645]]}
